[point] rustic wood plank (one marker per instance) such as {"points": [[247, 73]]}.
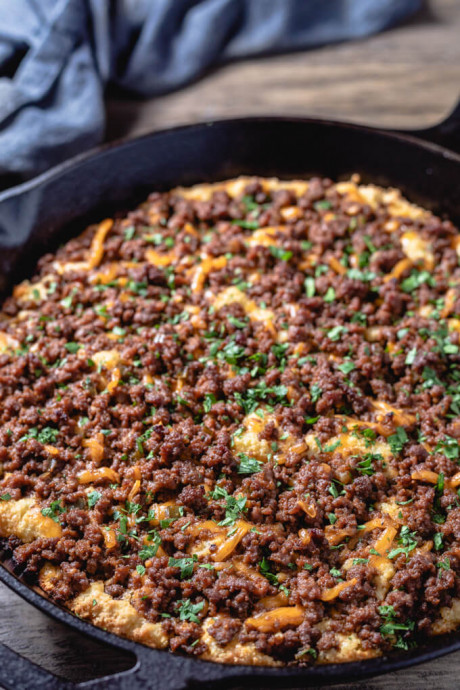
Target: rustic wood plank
{"points": [[407, 77], [50, 644]]}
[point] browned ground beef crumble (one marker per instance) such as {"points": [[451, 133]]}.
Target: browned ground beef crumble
{"points": [[166, 412]]}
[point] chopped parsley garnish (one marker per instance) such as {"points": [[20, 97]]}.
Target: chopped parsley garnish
{"points": [[329, 448], [439, 487], [398, 440], [363, 276], [237, 323], [330, 295], [449, 447], [250, 399], [411, 355], [438, 541], [188, 611], [444, 564], [66, 302], [140, 440], [150, 550], [443, 344], [122, 528], [185, 565], [315, 392], [280, 253], [369, 244], [93, 498], [132, 508], [209, 400], [101, 310], [336, 333], [54, 510], [392, 628], [45, 435], [335, 489], [309, 284], [365, 466], [5, 497], [250, 203], [246, 224], [231, 353], [279, 350], [359, 317], [157, 239], [387, 611], [234, 508], [129, 233], [430, 378], [264, 567], [138, 286], [248, 465], [73, 347], [241, 284], [323, 205], [405, 503], [313, 653], [346, 367], [416, 279], [408, 541]]}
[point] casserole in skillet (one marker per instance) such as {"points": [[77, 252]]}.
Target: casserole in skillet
{"points": [[229, 422]]}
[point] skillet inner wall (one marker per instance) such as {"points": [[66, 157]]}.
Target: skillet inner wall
{"points": [[66, 199]]}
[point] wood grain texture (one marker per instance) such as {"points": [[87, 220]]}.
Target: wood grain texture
{"points": [[50, 644], [408, 77]]}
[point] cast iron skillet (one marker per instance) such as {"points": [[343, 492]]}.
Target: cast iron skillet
{"points": [[39, 214]]}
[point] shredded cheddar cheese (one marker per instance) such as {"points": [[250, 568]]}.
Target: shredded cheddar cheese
{"points": [[228, 422]]}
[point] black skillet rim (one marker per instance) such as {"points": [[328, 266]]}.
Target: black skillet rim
{"points": [[409, 137]]}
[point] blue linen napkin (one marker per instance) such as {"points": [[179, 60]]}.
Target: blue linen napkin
{"points": [[58, 56]]}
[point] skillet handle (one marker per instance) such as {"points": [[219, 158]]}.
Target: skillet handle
{"points": [[446, 133], [153, 670], [18, 673]]}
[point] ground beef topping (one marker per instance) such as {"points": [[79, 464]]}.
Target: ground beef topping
{"points": [[238, 408]]}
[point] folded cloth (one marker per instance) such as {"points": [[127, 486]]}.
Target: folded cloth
{"points": [[57, 57]]}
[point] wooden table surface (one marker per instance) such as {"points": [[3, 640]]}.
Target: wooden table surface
{"points": [[408, 77]]}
